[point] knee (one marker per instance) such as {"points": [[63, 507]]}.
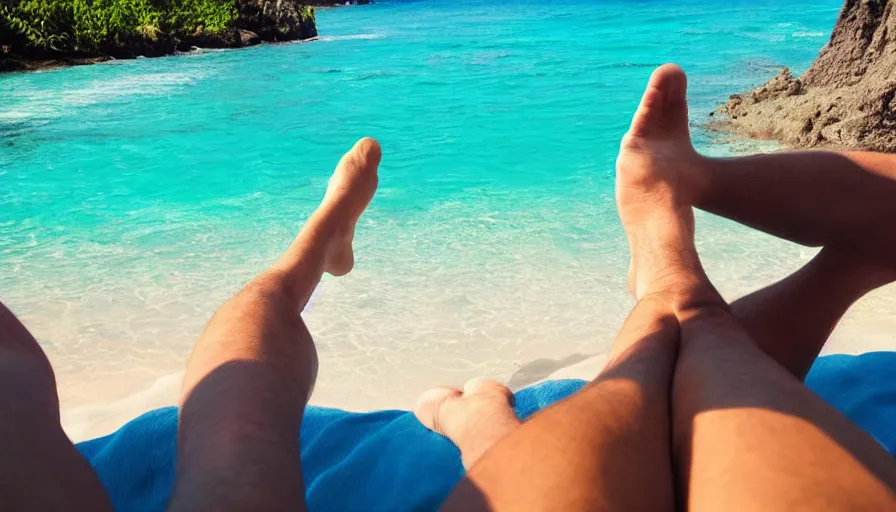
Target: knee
{"points": [[271, 284], [28, 386], [269, 290]]}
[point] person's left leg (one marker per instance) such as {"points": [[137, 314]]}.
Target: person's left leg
{"points": [[746, 434], [40, 469], [843, 201], [253, 368]]}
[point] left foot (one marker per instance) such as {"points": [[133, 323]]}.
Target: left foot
{"points": [[473, 419], [658, 178], [659, 139], [349, 192]]}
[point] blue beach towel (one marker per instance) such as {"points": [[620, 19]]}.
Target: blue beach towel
{"points": [[387, 461]]}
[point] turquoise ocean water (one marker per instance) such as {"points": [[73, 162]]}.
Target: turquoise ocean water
{"points": [[136, 196]]}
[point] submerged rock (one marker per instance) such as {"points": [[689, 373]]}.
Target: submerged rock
{"points": [[845, 99]]}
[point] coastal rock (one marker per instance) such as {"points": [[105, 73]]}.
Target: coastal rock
{"points": [[276, 20], [249, 38], [337, 3], [845, 99], [204, 39]]}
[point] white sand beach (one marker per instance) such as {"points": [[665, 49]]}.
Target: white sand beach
{"points": [[380, 346]]}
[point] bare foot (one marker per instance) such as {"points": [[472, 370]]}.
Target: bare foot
{"points": [[473, 419], [349, 192], [658, 178], [659, 137]]}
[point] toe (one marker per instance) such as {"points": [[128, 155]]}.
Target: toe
{"points": [[487, 387], [663, 108], [428, 408], [366, 153]]}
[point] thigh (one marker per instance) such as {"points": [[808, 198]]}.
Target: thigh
{"points": [[40, 469], [599, 449], [748, 435]]}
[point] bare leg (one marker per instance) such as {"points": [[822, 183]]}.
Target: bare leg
{"points": [[746, 434], [816, 198], [607, 446], [254, 366], [791, 320], [40, 470], [844, 201]]}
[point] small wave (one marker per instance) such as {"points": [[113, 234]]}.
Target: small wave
{"points": [[487, 57], [33, 104], [108, 90], [373, 75], [15, 115], [622, 65], [350, 37], [808, 34]]}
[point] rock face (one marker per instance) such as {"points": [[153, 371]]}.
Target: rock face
{"points": [[249, 38], [336, 3], [276, 20], [846, 99]]}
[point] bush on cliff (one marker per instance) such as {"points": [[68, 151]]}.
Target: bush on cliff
{"points": [[124, 28]]}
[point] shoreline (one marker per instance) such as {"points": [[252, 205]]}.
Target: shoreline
{"points": [[356, 353], [39, 65], [257, 22], [853, 336]]}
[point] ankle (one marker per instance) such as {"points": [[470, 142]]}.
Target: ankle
{"points": [[700, 178], [686, 294]]}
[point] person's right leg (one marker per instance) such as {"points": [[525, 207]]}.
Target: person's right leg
{"points": [[746, 433], [792, 319]]}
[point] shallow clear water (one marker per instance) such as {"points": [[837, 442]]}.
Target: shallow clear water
{"points": [[136, 196]]}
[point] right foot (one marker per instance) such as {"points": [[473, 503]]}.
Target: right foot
{"points": [[658, 176], [473, 419], [349, 192]]}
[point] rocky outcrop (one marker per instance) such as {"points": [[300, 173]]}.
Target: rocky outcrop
{"points": [[845, 99], [337, 3], [276, 20]]}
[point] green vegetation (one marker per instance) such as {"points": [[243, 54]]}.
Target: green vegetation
{"points": [[113, 27]]}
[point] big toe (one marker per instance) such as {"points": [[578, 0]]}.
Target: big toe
{"points": [[354, 182], [487, 388], [428, 408], [364, 155], [663, 109]]}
